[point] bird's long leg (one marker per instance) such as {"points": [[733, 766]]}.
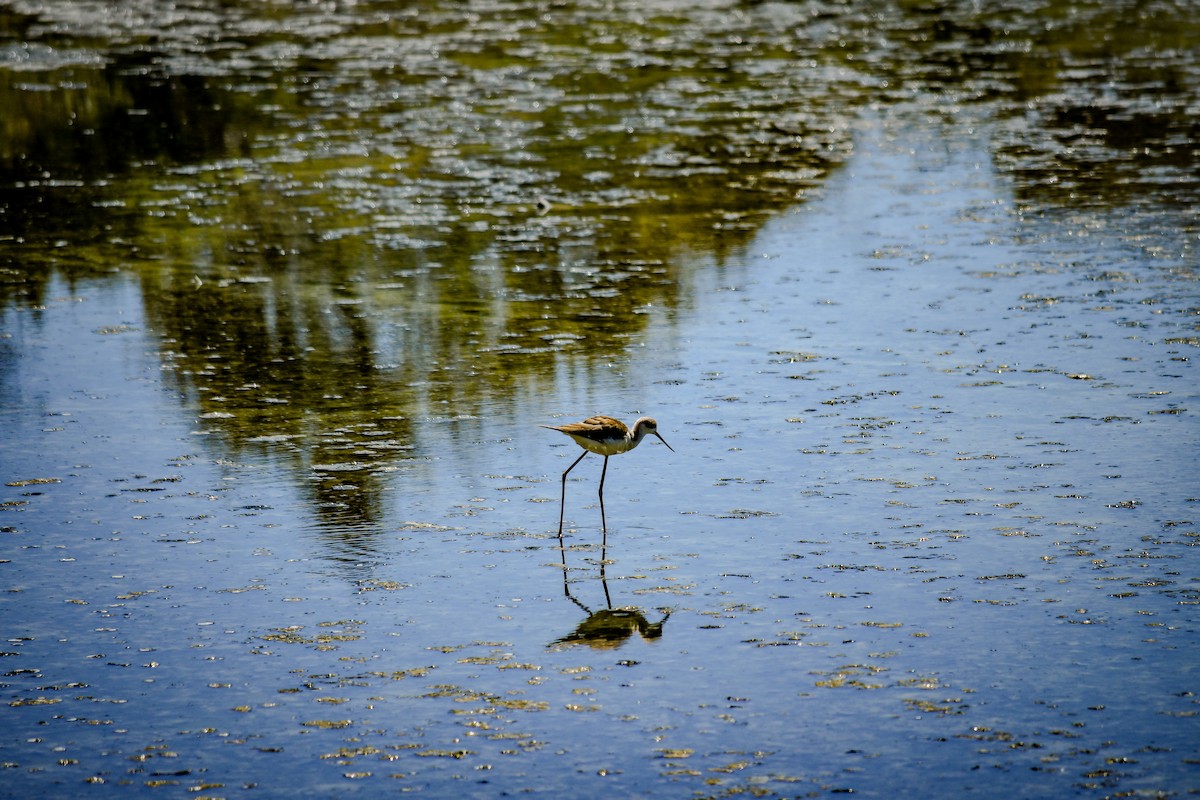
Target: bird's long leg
{"points": [[562, 509], [604, 583], [603, 521]]}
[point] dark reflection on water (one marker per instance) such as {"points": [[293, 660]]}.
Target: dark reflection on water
{"points": [[608, 628]]}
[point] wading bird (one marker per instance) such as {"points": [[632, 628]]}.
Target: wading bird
{"points": [[607, 437]]}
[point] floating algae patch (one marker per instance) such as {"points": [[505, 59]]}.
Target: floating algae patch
{"points": [[327, 724]]}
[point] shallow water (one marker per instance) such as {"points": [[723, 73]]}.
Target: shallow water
{"points": [[913, 302]]}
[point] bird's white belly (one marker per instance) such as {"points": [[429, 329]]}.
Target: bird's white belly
{"points": [[606, 447]]}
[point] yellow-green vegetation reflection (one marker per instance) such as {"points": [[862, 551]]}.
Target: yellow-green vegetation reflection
{"points": [[346, 217], [416, 213]]}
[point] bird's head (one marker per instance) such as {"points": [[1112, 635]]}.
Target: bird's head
{"points": [[648, 425]]}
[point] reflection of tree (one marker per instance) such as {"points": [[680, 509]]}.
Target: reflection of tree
{"points": [[66, 156], [335, 242], [1085, 100], [368, 251], [281, 364], [110, 119]]}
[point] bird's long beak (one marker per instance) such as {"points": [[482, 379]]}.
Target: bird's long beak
{"points": [[664, 441]]}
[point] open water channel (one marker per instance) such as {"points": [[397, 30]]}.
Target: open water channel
{"points": [[911, 289]]}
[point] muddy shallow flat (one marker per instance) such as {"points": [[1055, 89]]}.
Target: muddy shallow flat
{"points": [[276, 516]]}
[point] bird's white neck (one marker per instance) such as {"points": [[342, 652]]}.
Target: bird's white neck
{"points": [[635, 436]]}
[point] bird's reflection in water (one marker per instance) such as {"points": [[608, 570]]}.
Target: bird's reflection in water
{"points": [[608, 628]]}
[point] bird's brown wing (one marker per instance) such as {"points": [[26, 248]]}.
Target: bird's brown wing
{"points": [[597, 427]]}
